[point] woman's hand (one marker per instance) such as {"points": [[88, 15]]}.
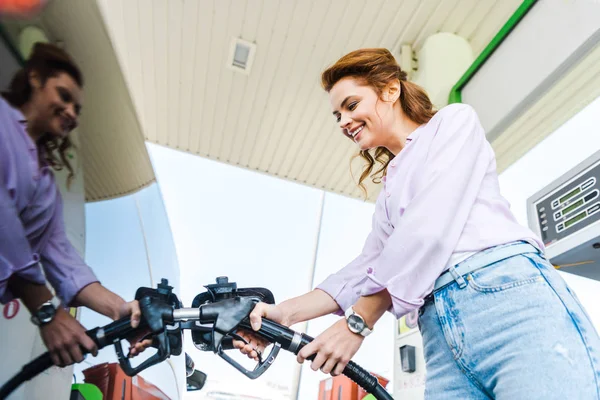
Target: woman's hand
{"points": [[132, 309], [257, 345], [334, 348]]}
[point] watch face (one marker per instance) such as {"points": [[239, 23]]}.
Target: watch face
{"points": [[356, 323], [46, 313]]}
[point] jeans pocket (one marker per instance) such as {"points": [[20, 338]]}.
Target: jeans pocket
{"points": [[506, 274]]}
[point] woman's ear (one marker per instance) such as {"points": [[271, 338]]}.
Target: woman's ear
{"points": [[391, 91], [34, 80]]}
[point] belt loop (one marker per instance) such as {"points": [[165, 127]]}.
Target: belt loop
{"points": [[458, 278]]}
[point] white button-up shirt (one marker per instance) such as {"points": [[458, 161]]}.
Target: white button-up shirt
{"points": [[440, 202]]}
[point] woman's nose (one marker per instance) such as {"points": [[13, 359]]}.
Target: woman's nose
{"points": [[344, 122]]}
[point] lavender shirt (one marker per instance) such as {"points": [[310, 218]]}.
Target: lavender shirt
{"points": [[440, 201], [31, 217]]}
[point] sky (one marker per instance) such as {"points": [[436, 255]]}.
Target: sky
{"points": [[262, 231]]}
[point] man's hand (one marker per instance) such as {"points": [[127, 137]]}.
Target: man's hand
{"points": [[65, 338]]}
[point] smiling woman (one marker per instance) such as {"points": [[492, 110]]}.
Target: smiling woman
{"points": [[362, 97], [444, 242], [50, 85]]}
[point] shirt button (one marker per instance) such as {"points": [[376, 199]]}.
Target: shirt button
{"points": [[393, 164], [388, 194], [369, 270]]}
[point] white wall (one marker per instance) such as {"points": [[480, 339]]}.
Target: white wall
{"points": [[562, 150], [129, 244], [549, 39]]}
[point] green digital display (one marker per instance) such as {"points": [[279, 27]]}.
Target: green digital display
{"points": [[572, 193], [573, 206], [575, 219]]}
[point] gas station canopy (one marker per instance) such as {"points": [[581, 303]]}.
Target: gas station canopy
{"points": [[238, 82]]}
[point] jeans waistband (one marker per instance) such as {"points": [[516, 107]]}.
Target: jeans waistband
{"points": [[480, 260]]}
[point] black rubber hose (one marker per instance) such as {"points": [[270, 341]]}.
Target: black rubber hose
{"points": [[277, 333], [101, 336], [30, 370]]}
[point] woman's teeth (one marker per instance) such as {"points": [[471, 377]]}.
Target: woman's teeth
{"points": [[356, 131]]}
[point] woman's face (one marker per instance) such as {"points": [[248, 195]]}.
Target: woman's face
{"points": [[57, 103], [363, 116]]}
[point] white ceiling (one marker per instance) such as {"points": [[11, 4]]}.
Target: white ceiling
{"points": [[275, 120], [109, 138], [155, 70]]}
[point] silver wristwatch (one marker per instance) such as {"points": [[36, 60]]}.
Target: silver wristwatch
{"points": [[356, 323], [46, 312]]}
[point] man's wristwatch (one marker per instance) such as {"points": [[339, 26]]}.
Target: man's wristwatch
{"points": [[46, 312], [356, 323]]}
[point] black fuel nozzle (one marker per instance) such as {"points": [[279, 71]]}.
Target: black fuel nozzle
{"points": [[223, 290], [226, 317], [157, 307], [223, 307]]}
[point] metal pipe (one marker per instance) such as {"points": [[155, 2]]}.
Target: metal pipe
{"points": [[181, 314]]}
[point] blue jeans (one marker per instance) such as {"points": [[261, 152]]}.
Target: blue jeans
{"points": [[515, 331]]}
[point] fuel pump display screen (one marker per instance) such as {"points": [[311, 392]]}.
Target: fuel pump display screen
{"points": [[573, 206], [572, 193], [575, 219], [570, 207], [566, 216]]}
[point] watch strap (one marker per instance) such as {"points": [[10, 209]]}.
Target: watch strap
{"points": [[54, 302], [366, 331]]}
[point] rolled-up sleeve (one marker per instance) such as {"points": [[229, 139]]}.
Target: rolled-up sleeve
{"points": [[65, 269], [421, 245], [16, 255]]}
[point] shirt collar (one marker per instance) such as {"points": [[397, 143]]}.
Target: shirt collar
{"points": [[413, 134], [20, 118], [18, 115], [409, 139]]}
